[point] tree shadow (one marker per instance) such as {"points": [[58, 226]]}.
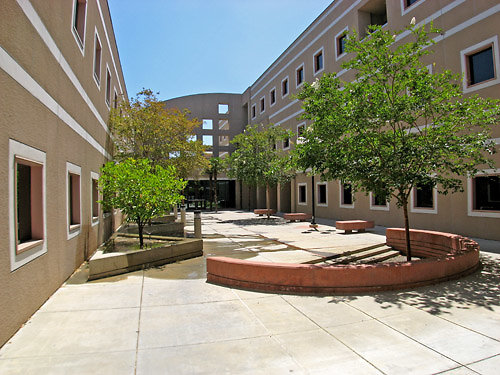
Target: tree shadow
{"points": [[480, 289], [256, 221]]}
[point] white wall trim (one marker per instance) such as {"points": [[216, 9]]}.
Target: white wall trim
{"points": [[288, 87], [300, 66], [79, 43], [421, 210], [96, 80], [470, 197], [317, 193], [322, 51], [377, 208], [336, 41], [17, 149], [298, 193], [271, 104], [253, 113], [262, 100]]}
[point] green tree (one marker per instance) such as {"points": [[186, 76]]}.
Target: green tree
{"points": [[396, 125], [257, 161], [144, 129], [140, 190], [215, 167]]}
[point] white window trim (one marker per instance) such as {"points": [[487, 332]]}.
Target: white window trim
{"points": [[337, 56], [470, 197], [477, 47], [17, 149], [341, 204], [261, 111], [288, 84], [253, 113], [72, 230], [378, 208], [97, 82], [422, 210], [297, 85], [405, 9], [322, 51], [300, 139], [298, 194], [94, 219], [79, 43], [275, 97], [108, 104], [317, 194]]}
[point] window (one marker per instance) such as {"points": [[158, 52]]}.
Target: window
{"points": [[97, 59], [108, 87], [318, 61], [284, 87], [374, 12], [300, 75], [302, 193], [208, 140], [223, 124], [207, 124], [254, 111], [346, 198], [480, 65], [73, 188], [94, 197], [340, 41], [272, 96], [322, 199], [115, 100], [378, 203], [262, 104], [79, 15], [286, 143], [424, 196], [223, 140], [301, 128], [486, 193], [27, 212], [223, 109]]}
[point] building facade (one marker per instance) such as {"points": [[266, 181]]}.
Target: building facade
{"points": [[468, 45], [60, 74]]}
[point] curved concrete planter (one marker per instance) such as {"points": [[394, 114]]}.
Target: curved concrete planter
{"points": [[454, 256]]}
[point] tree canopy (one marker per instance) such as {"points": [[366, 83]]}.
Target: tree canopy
{"points": [[398, 124]]}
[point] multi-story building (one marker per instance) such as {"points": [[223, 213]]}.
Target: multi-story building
{"points": [[468, 45], [60, 74]]}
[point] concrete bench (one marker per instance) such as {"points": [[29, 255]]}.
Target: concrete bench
{"points": [[297, 216], [263, 211], [349, 225]]}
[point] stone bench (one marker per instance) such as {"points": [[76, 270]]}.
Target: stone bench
{"points": [[297, 216], [349, 225], [263, 211]]}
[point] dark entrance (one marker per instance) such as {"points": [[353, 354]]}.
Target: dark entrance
{"points": [[198, 194]]}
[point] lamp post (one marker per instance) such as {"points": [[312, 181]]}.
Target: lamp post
{"points": [[313, 219]]}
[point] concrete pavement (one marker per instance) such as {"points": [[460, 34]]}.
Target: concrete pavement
{"points": [[168, 320]]}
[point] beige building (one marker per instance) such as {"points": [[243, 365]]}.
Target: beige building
{"points": [[60, 74], [469, 45]]}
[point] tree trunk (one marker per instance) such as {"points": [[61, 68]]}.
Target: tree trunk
{"points": [[249, 188], [407, 232], [268, 200], [215, 192], [241, 195], [140, 227], [211, 192]]}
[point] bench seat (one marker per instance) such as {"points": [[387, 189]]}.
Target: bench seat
{"points": [[263, 211], [297, 216], [349, 225]]}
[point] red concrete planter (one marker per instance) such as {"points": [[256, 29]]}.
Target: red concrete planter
{"points": [[457, 256]]}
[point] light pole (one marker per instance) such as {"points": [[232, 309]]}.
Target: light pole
{"points": [[313, 219]]}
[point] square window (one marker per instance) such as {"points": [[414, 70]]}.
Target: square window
{"points": [[284, 87], [486, 193], [378, 203], [322, 194], [318, 62], [223, 124], [481, 66], [254, 112], [424, 196], [97, 59], [208, 140], [272, 96], [262, 104], [27, 209], [73, 199], [223, 140], [341, 44], [302, 196], [300, 75], [108, 87], [207, 124], [79, 15], [223, 109], [346, 195], [286, 143]]}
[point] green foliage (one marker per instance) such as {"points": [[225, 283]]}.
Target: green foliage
{"points": [[144, 129], [395, 125], [141, 191]]}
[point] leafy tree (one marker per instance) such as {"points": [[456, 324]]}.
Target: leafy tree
{"points": [[140, 190], [215, 167], [144, 129], [257, 161], [396, 125]]}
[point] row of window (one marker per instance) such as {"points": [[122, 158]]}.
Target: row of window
{"points": [[27, 199], [485, 196]]}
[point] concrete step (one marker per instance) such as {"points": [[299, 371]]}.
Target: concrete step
{"points": [[344, 254], [367, 254], [381, 257]]}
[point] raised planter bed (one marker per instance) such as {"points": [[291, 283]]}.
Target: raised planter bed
{"points": [[113, 258], [157, 228]]}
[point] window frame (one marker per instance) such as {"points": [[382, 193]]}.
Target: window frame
{"points": [[73, 230], [300, 138], [36, 248], [287, 80], [97, 78], [423, 210], [377, 207], [342, 33], [288, 141], [464, 60], [253, 113], [300, 67], [470, 195], [107, 93], [80, 43], [299, 185], [341, 197], [408, 8], [317, 53], [208, 121], [262, 104], [318, 184], [271, 102], [94, 176], [219, 105]]}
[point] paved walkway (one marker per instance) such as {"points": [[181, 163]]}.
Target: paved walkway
{"points": [[170, 321]]}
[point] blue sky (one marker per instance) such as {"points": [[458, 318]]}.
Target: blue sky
{"points": [[183, 47]]}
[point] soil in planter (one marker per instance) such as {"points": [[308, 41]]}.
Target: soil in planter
{"points": [[125, 244]]}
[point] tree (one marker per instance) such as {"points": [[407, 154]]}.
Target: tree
{"points": [[144, 129], [396, 125], [257, 161], [140, 190], [214, 168]]}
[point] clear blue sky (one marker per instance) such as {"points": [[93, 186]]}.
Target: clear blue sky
{"points": [[183, 47]]}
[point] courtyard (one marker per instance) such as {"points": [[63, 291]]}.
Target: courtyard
{"points": [[169, 320]]}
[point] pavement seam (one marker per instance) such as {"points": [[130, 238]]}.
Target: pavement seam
{"points": [[139, 325], [332, 335]]}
